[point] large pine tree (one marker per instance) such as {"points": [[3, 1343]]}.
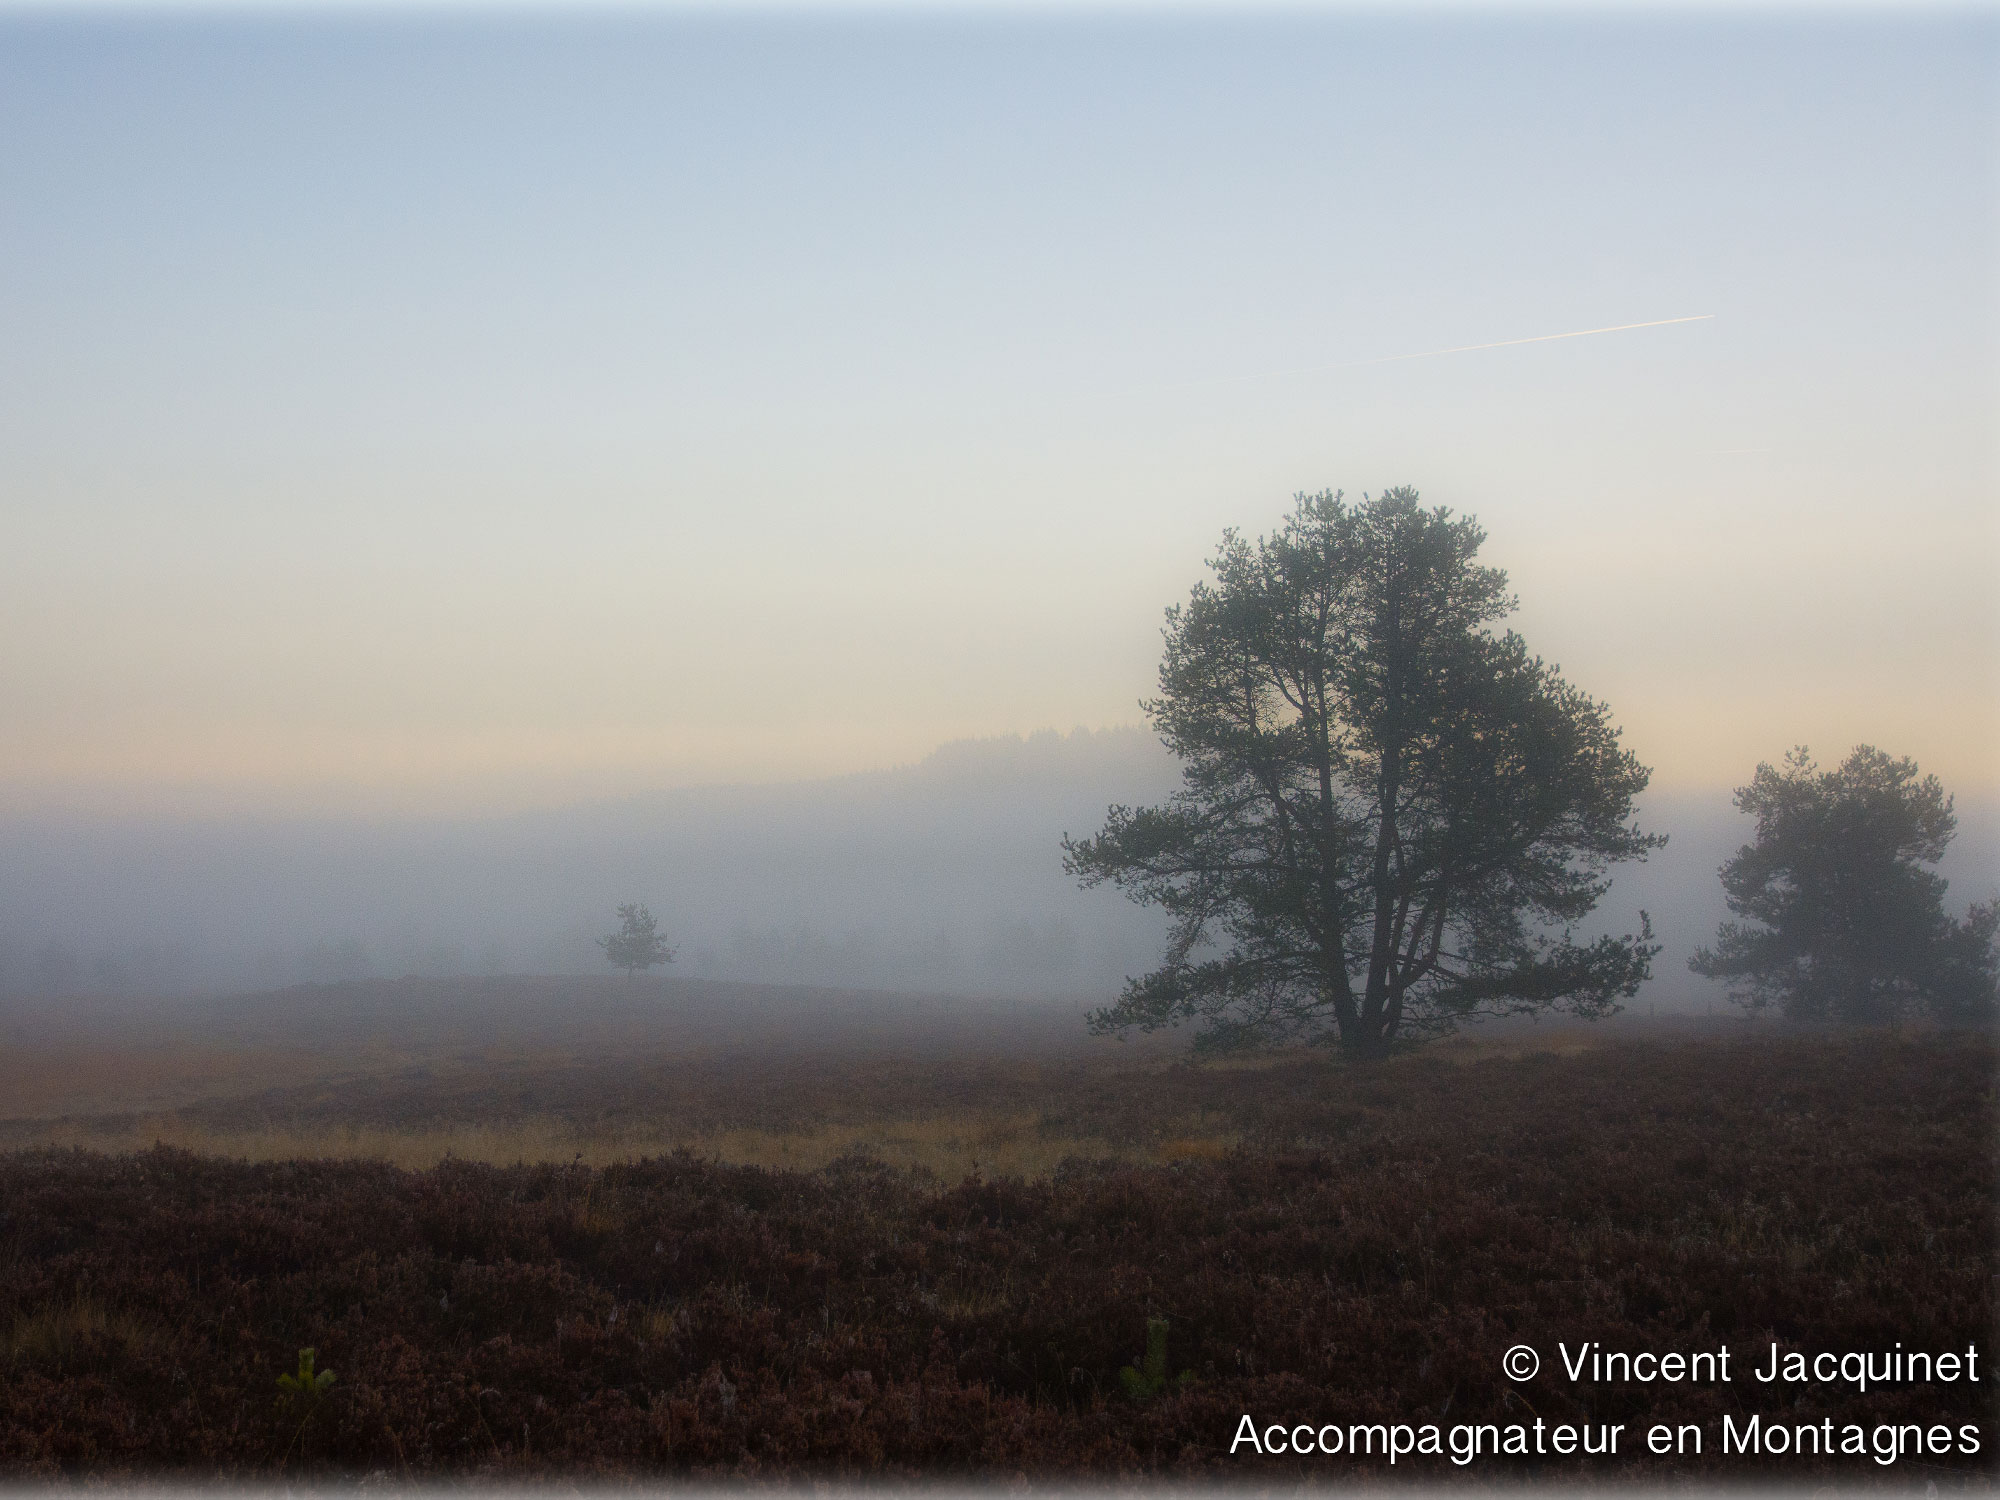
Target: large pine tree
{"points": [[1390, 814]]}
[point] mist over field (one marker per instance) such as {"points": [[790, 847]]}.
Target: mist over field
{"points": [[945, 874], [420, 444], [940, 876]]}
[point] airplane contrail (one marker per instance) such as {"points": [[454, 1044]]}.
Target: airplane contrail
{"points": [[1540, 338]]}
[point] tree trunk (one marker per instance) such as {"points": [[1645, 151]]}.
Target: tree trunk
{"points": [[1364, 1038]]}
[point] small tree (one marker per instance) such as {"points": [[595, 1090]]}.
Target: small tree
{"points": [[637, 945], [1846, 924], [1385, 805]]}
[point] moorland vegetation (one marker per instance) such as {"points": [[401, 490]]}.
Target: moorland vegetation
{"points": [[1359, 1245]]}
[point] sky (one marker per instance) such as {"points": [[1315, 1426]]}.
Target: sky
{"points": [[423, 414]]}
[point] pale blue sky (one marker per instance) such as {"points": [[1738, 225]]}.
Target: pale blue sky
{"points": [[503, 408]]}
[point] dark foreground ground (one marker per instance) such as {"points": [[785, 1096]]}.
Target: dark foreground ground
{"points": [[1365, 1252]]}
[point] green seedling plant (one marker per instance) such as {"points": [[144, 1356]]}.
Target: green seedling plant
{"points": [[304, 1388], [299, 1394], [1151, 1376]]}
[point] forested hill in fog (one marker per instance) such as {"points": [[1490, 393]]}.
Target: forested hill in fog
{"points": [[941, 876]]}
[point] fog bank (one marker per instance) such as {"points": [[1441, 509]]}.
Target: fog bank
{"points": [[944, 876]]}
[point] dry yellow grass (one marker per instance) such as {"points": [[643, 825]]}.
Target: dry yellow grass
{"points": [[57, 1332], [951, 1146]]}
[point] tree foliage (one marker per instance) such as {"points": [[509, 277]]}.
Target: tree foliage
{"points": [[637, 945], [1845, 923], [1386, 806]]}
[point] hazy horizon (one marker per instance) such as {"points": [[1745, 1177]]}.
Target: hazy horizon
{"points": [[941, 876]]}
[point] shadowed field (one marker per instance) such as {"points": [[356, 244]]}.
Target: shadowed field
{"points": [[415, 1072], [93, 1055], [514, 1071]]}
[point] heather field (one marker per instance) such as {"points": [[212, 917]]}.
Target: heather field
{"points": [[935, 1250]]}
